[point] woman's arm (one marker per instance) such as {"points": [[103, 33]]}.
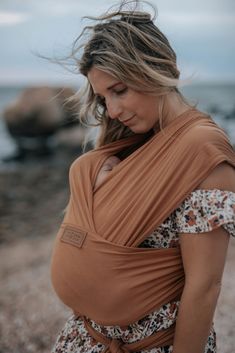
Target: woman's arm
{"points": [[203, 257]]}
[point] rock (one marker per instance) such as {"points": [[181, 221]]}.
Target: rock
{"points": [[36, 115]]}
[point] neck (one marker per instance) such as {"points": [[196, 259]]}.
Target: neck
{"points": [[173, 106]]}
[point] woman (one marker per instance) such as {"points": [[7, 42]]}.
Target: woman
{"points": [[140, 254]]}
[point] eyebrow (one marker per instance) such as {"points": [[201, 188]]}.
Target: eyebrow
{"points": [[110, 87]]}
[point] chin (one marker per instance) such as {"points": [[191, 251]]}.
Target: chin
{"points": [[139, 130]]}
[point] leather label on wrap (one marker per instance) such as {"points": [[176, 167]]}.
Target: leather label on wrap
{"points": [[73, 236]]}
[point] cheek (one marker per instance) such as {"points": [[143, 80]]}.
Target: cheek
{"points": [[133, 101], [151, 107], [144, 110], [144, 102]]}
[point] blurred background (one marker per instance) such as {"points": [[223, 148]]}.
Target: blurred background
{"points": [[40, 137]]}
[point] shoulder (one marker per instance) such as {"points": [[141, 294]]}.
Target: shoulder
{"points": [[82, 160], [205, 141], [197, 128], [205, 131], [222, 177], [80, 165]]}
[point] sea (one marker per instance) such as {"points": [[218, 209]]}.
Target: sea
{"points": [[216, 99]]}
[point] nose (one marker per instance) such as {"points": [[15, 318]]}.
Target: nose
{"points": [[114, 109]]}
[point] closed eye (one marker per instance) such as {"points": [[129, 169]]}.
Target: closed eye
{"points": [[118, 91], [121, 91]]}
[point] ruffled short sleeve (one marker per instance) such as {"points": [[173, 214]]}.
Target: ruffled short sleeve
{"points": [[205, 210]]}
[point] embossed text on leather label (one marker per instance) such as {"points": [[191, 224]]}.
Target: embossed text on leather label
{"points": [[73, 236]]}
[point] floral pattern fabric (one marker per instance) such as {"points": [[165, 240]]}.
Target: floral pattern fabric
{"points": [[202, 211]]}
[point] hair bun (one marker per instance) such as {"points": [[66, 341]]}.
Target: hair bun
{"points": [[136, 17]]}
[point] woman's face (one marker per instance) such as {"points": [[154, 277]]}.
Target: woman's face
{"points": [[134, 109]]}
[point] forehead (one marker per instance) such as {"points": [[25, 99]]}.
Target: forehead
{"points": [[100, 80]]}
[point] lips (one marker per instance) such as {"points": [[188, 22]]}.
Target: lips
{"points": [[127, 120]]}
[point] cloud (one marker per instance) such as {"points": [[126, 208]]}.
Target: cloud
{"points": [[8, 18]]}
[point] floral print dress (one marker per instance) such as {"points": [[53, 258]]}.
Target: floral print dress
{"points": [[202, 211]]}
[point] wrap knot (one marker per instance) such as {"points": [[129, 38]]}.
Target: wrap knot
{"points": [[116, 346]]}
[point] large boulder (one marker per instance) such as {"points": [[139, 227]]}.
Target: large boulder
{"points": [[37, 114]]}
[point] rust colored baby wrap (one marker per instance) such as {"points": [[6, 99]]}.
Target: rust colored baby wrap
{"points": [[97, 268]]}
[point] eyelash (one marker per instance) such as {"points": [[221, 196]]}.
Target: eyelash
{"points": [[122, 91], [101, 100]]}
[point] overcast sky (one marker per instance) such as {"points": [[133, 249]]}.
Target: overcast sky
{"points": [[201, 32]]}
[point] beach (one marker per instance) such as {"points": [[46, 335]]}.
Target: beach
{"points": [[33, 196]]}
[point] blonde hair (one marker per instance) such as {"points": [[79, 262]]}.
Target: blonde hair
{"points": [[130, 47]]}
